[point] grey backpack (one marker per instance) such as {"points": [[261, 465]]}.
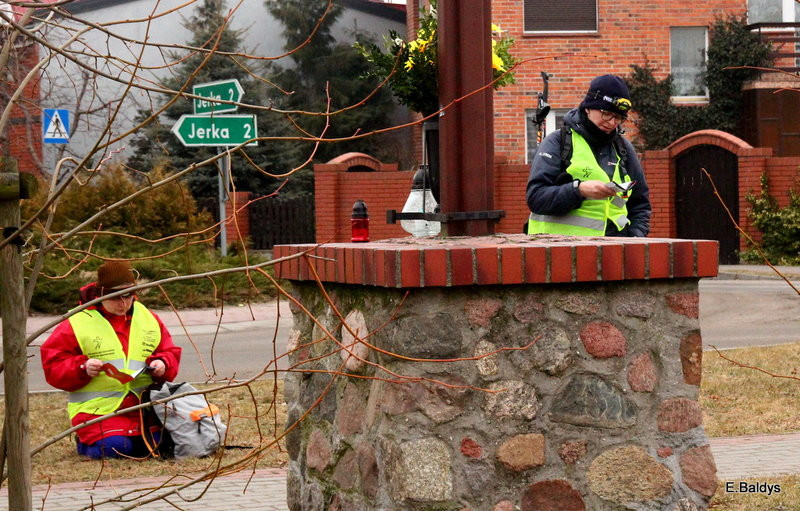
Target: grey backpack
{"points": [[192, 422]]}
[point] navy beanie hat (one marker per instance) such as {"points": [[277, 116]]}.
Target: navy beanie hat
{"points": [[608, 92]]}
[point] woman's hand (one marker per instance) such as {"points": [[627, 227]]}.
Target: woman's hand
{"points": [[92, 367], [595, 190], [159, 368]]}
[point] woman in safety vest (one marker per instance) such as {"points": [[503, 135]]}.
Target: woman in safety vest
{"points": [[586, 179], [105, 356]]}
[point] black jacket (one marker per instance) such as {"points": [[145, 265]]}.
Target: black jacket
{"points": [[550, 190]]}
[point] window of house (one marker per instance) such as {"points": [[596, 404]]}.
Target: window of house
{"points": [[770, 11], [554, 121], [561, 16], [688, 47]]}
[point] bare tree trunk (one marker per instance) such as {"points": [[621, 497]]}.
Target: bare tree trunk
{"points": [[12, 311]]}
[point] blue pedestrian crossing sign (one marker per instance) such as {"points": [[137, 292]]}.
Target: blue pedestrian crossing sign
{"points": [[55, 124]]}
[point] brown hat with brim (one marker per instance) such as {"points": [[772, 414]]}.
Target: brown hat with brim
{"points": [[113, 276]]}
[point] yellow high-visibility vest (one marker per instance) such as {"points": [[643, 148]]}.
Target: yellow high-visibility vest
{"points": [[590, 219], [97, 339]]}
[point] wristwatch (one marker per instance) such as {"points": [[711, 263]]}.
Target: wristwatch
{"points": [[576, 183]]}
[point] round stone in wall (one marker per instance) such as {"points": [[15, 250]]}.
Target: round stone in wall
{"points": [[513, 399], [552, 352], [642, 373], [355, 351], [589, 400], [699, 470], [486, 364], [553, 495], [628, 474], [603, 340], [522, 452], [421, 471]]}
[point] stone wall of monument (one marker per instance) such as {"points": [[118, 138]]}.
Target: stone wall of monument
{"points": [[534, 396]]}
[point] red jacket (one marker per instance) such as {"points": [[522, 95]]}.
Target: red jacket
{"points": [[62, 358]]}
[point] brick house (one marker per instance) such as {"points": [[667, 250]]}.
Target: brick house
{"points": [[573, 41], [22, 138]]}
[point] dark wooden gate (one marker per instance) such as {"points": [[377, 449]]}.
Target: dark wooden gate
{"points": [[279, 220], [699, 213]]}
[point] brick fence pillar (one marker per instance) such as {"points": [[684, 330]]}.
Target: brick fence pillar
{"points": [[237, 217]]}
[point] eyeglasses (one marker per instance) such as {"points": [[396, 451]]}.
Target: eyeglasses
{"points": [[126, 296], [611, 116]]}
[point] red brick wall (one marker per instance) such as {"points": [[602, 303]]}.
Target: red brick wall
{"points": [[23, 135], [783, 174], [509, 194], [237, 217], [629, 32], [387, 188], [336, 190]]}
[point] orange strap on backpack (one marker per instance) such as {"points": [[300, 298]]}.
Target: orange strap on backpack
{"points": [[202, 413]]}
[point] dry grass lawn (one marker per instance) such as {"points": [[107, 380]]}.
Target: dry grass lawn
{"points": [[739, 401], [60, 463], [787, 500], [736, 401]]}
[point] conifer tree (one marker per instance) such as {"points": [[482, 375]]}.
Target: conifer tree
{"points": [[304, 80]]}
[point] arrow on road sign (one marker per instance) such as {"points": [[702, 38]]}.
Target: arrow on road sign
{"points": [[225, 90], [218, 130]]}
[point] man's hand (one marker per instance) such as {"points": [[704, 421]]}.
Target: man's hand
{"points": [[595, 190], [92, 367], [159, 368]]}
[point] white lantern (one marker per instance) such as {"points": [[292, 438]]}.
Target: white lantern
{"points": [[421, 200]]}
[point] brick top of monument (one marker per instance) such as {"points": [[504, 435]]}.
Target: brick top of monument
{"points": [[499, 259]]}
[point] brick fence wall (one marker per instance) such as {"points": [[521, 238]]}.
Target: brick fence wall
{"points": [[387, 188]]}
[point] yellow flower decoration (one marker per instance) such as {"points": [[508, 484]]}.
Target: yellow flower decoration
{"points": [[415, 83], [497, 62]]}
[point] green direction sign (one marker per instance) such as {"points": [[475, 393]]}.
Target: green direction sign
{"points": [[225, 90], [217, 130]]}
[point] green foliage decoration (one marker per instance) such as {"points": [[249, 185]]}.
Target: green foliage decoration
{"points": [[733, 53], [780, 227], [411, 68]]}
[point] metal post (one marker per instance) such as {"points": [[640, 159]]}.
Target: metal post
{"points": [[223, 180], [12, 310]]}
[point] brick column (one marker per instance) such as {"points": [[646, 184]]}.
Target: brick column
{"points": [[237, 216]]}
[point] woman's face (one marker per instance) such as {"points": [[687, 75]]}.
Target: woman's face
{"points": [[605, 120], [119, 305]]}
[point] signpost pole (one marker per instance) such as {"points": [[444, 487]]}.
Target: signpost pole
{"points": [[223, 180], [207, 128]]}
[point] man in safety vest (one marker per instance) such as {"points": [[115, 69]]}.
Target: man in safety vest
{"points": [[586, 179], [105, 357]]}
